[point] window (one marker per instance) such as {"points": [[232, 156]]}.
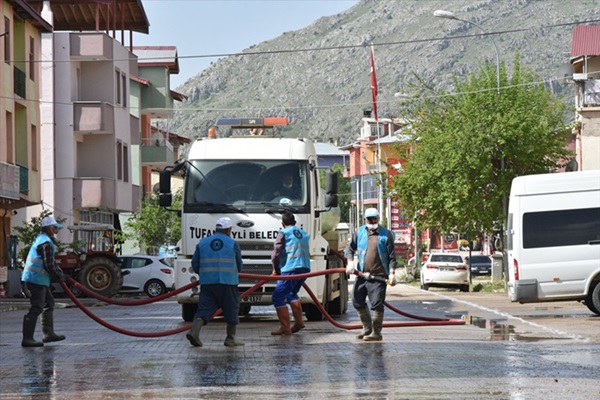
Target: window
{"points": [[118, 87], [125, 163], [6, 40], [124, 79], [119, 160], [561, 228], [31, 59], [10, 145], [34, 149]]}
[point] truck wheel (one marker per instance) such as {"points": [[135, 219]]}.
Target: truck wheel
{"points": [[593, 300], [339, 305], [101, 275], [312, 313], [188, 310]]}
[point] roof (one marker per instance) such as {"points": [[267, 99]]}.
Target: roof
{"points": [[27, 13], [158, 56], [178, 96], [80, 15], [326, 149], [140, 80], [586, 41], [390, 139]]}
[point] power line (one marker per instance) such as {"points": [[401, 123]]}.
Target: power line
{"points": [[326, 48], [314, 106]]}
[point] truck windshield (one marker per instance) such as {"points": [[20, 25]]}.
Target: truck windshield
{"points": [[212, 184]]}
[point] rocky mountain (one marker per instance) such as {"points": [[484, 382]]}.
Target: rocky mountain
{"points": [[319, 76]]}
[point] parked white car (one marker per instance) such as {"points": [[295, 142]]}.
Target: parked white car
{"points": [[445, 270], [146, 274]]}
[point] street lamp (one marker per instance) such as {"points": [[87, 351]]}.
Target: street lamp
{"points": [[450, 15]]}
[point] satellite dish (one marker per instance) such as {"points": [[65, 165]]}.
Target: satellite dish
{"points": [[564, 73]]}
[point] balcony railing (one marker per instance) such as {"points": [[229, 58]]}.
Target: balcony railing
{"points": [[10, 177], [157, 153], [93, 117], [20, 83], [591, 93], [94, 193]]}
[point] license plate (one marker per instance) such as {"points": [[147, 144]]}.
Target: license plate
{"points": [[251, 299], [445, 269]]}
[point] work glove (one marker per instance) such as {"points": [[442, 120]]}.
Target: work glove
{"points": [[350, 267], [392, 279]]}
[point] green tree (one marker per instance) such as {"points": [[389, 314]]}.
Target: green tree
{"points": [[153, 226], [470, 144], [27, 233]]}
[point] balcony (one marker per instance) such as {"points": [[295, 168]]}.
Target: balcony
{"points": [[588, 95], [94, 193], [10, 174], [93, 117], [157, 153], [91, 46]]}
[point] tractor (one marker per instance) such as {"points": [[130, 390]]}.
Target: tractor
{"points": [[95, 266]]}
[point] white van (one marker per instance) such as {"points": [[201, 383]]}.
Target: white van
{"points": [[553, 238]]}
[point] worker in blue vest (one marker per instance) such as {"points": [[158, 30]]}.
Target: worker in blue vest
{"points": [[376, 260], [218, 262], [291, 256], [39, 272]]}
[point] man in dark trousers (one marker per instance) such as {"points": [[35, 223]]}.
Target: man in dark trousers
{"points": [[374, 246], [40, 270], [291, 256], [218, 261]]}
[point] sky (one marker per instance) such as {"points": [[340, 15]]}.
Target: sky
{"points": [[205, 27]]}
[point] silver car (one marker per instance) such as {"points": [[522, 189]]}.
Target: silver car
{"points": [[146, 274], [445, 270]]}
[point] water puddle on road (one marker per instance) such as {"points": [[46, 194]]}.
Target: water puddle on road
{"points": [[500, 331]]}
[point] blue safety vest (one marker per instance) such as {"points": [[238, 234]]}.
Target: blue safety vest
{"points": [[218, 262], [297, 254], [362, 239], [34, 271]]}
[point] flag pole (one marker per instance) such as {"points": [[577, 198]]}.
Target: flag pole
{"points": [[374, 95]]}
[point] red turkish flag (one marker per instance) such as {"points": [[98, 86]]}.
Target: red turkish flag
{"points": [[373, 84]]}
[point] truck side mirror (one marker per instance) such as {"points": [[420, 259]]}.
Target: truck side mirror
{"points": [[165, 182], [165, 200], [331, 200], [331, 182], [331, 189]]}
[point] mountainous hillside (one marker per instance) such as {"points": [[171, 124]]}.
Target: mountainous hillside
{"points": [[319, 76]]}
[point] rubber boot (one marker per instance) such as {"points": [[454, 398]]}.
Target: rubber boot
{"points": [[48, 328], [230, 340], [28, 331], [365, 318], [284, 320], [375, 336], [298, 315], [194, 334]]}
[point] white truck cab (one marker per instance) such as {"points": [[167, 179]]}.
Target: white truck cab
{"points": [[241, 178]]}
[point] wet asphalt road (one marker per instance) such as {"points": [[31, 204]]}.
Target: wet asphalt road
{"points": [[505, 351]]}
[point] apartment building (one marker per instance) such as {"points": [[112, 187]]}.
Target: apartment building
{"points": [[585, 58], [90, 112], [21, 29]]}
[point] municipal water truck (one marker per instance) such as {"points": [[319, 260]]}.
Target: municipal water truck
{"points": [[236, 177]]}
